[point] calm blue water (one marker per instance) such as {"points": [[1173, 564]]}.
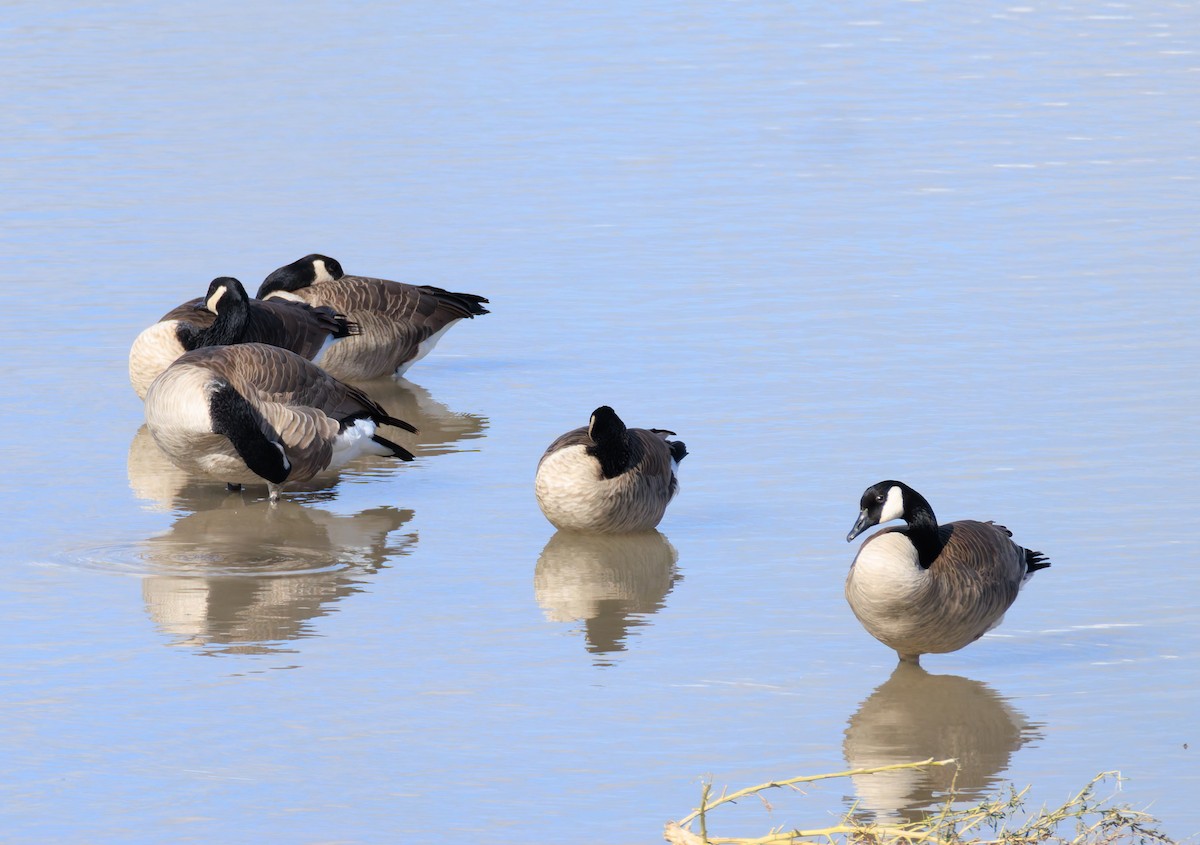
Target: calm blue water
{"points": [[827, 246]]}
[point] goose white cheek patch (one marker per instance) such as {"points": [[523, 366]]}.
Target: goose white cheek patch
{"points": [[893, 508], [211, 304], [321, 272]]}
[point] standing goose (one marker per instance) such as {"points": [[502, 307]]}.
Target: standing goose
{"points": [[253, 412], [226, 315], [929, 589], [399, 323], [604, 477]]}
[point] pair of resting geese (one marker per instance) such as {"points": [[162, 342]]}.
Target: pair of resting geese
{"points": [[925, 588], [921, 589], [252, 390]]}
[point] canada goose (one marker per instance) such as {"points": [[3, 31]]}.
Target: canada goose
{"points": [[226, 315], [928, 588], [253, 412], [400, 323], [604, 477]]}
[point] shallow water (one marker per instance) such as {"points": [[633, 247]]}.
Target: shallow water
{"points": [[825, 246]]}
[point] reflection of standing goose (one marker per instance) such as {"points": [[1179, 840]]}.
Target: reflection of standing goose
{"points": [[930, 588], [606, 580], [913, 716], [247, 575], [398, 323]]}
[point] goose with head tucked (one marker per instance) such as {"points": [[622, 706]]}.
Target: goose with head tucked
{"points": [[226, 315], [929, 588], [399, 323], [605, 478], [252, 412]]}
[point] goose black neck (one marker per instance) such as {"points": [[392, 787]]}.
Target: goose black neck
{"points": [[233, 315], [922, 527], [613, 453], [228, 328], [236, 419], [611, 444]]}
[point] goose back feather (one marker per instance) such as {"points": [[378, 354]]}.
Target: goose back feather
{"points": [[399, 323]]}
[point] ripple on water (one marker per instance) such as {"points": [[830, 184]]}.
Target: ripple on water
{"points": [[254, 539]]}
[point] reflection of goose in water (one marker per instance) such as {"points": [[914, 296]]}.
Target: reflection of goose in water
{"points": [[244, 576], [153, 477], [439, 428], [913, 716], [606, 580]]}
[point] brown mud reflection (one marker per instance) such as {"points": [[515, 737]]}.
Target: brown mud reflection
{"points": [[154, 478], [245, 577], [914, 715], [609, 582]]}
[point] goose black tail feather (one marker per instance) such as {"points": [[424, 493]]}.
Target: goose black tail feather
{"points": [[397, 450], [345, 327], [470, 303], [397, 423], [679, 451], [1035, 561]]}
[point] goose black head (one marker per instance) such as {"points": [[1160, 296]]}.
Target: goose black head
{"points": [[610, 441], [883, 502], [605, 425], [301, 273], [222, 292]]}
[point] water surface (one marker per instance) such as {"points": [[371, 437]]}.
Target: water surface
{"points": [[827, 246]]}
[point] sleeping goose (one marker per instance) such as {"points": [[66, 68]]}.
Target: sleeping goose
{"points": [[253, 412], [929, 588], [604, 477], [399, 323], [226, 315]]}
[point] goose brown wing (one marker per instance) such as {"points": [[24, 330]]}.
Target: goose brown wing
{"points": [[654, 462], [271, 374], [192, 311], [308, 435], [416, 312], [979, 569], [416, 302]]}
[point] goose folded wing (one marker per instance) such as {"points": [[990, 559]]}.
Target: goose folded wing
{"points": [[654, 462], [308, 435]]}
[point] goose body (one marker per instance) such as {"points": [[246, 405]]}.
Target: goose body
{"points": [[253, 412], [399, 323], [604, 477], [227, 315], [930, 588]]}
